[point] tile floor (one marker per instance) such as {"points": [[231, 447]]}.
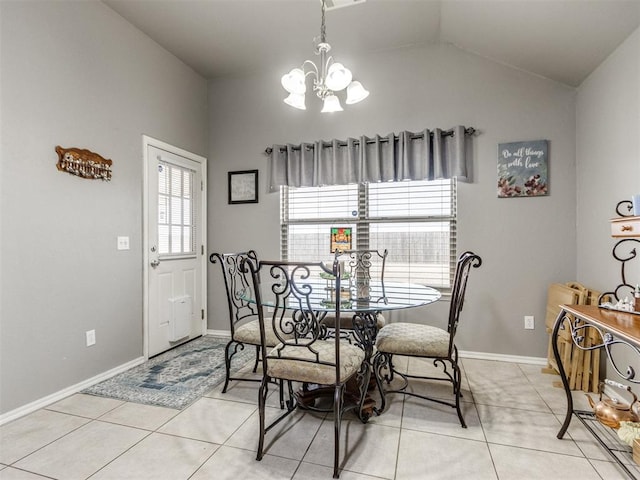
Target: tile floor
{"points": [[512, 410]]}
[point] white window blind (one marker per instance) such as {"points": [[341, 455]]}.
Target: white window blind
{"points": [[176, 227], [414, 220]]}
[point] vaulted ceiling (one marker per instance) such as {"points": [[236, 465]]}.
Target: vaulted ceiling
{"points": [[563, 40]]}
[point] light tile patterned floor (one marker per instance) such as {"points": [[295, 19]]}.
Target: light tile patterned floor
{"points": [[512, 410]]}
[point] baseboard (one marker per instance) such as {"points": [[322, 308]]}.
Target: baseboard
{"points": [[219, 333], [499, 357], [57, 396]]}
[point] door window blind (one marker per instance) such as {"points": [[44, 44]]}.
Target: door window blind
{"points": [[176, 226]]}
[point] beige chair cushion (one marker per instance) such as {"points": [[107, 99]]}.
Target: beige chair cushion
{"points": [[351, 357], [249, 333], [413, 339]]}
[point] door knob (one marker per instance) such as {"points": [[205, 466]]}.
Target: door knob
{"points": [[155, 263]]}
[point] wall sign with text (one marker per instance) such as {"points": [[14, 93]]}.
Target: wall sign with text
{"points": [[523, 169]]}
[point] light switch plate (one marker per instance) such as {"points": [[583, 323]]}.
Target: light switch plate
{"points": [[91, 337], [123, 243]]}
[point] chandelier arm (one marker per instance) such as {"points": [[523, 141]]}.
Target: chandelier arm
{"points": [[327, 63], [314, 71]]}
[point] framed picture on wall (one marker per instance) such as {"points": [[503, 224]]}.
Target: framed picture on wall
{"points": [[243, 186], [523, 169]]}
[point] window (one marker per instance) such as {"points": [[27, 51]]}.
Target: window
{"points": [[414, 220], [176, 228]]}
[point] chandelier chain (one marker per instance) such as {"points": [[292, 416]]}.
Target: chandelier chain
{"points": [[323, 32]]}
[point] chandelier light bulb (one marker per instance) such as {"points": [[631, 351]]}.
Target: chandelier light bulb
{"points": [[331, 104], [338, 77], [356, 93], [294, 81], [296, 100]]}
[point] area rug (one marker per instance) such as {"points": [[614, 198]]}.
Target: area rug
{"points": [[176, 378]]}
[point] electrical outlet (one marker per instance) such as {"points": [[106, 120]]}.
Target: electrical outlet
{"points": [[529, 322], [91, 337]]}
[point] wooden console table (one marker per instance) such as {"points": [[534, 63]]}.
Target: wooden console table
{"points": [[617, 330]]}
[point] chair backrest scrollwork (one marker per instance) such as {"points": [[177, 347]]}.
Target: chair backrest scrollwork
{"points": [[359, 265], [238, 285], [292, 301]]}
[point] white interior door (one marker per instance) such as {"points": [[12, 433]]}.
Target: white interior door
{"points": [[175, 292]]}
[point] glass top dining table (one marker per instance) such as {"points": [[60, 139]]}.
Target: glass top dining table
{"points": [[377, 297], [386, 296]]}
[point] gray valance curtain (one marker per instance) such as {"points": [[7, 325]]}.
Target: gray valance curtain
{"points": [[427, 155]]}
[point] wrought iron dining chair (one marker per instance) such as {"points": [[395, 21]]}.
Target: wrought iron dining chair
{"points": [[243, 314], [426, 341], [361, 267], [292, 303], [360, 264]]}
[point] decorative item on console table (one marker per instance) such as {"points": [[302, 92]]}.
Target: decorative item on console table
{"points": [[636, 450], [635, 200], [627, 228], [628, 432], [611, 411]]}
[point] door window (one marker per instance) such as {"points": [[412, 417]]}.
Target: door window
{"points": [[176, 227]]}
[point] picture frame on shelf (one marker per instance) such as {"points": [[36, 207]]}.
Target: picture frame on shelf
{"points": [[243, 186], [340, 239]]}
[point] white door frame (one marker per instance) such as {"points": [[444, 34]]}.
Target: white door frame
{"points": [[202, 240]]}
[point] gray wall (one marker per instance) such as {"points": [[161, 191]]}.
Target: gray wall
{"points": [[76, 74], [608, 160], [608, 166], [526, 243]]}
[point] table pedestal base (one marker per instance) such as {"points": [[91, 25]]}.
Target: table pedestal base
{"points": [[310, 396]]}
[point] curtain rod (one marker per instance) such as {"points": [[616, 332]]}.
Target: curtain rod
{"points": [[446, 133]]}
